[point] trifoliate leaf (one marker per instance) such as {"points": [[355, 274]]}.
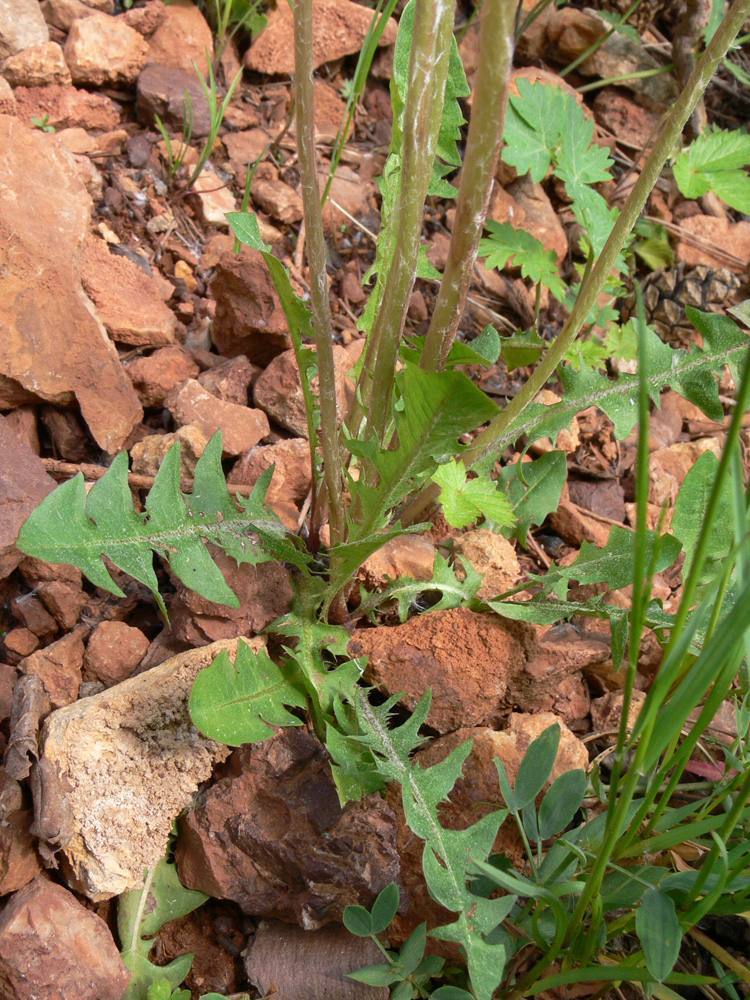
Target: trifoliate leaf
{"points": [[714, 162], [465, 500], [526, 251]]}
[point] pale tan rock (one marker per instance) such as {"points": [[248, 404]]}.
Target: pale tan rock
{"points": [[129, 761], [493, 556], [62, 13], [161, 91], [669, 466], [541, 219], [42, 301], [104, 50], [59, 665], [21, 25], [278, 390], [339, 29], [245, 147], [733, 238], [275, 197], [292, 474], [131, 304], [568, 438], [212, 198], [53, 947], [37, 66], [407, 555], [182, 38], [148, 454], [348, 197], [242, 427]]}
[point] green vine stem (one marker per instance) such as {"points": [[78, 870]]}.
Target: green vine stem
{"points": [[428, 70], [662, 149], [482, 151], [316, 258]]}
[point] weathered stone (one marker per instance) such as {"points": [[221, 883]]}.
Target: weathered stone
{"points": [[292, 474], [278, 390], [58, 587], [275, 197], [161, 91], [131, 304], [21, 25], [407, 555], [7, 98], [293, 964], [8, 677], [182, 38], [148, 454], [212, 198], [104, 50], [491, 555], [245, 147], [127, 762], [22, 421], [113, 652], [24, 483], [669, 466], [241, 426], [732, 238], [19, 861], [154, 376], [249, 319], [43, 222], [469, 660], [339, 29], [348, 197], [634, 125], [62, 13], [264, 594], [230, 380], [32, 614], [66, 107], [37, 66], [68, 437], [19, 642], [59, 665], [571, 32], [274, 838], [53, 948]]}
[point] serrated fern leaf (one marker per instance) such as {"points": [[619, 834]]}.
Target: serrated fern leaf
{"points": [[73, 528], [506, 244], [447, 853], [406, 592], [236, 703], [691, 373]]}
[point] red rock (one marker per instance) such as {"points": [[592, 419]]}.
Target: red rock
{"points": [[290, 963], [154, 376], [19, 642], [58, 587], [68, 437], [330, 111], [161, 91], [264, 593], [66, 106], [241, 426], [634, 125], [493, 556], [230, 380], [31, 613], [182, 38], [249, 319], [571, 32], [348, 192], [22, 421], [534, 74], [59, 665], [274, 838], [278, 390], [131, 304], [146, 20], [24, 483], [104, 50], [21, 25], [52, 947], [37, 66], [41, 298], [732, 238], [113, 652], [19, 861], [407, 555], [469, 660], [245, 147], [292, 475], [339, 29], [540, 218]]}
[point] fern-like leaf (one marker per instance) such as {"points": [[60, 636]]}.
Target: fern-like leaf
{"points": [[407, 592], [71, 527]]}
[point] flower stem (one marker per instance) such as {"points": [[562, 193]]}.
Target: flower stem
{"points": [[482, 151]]}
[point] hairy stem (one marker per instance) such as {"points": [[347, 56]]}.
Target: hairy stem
{"points": [[428, 69], [482, 151], [591, 288], [316, 258]]}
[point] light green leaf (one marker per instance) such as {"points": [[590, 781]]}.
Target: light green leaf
{"points": [[72, 527], [140, 915], [238, 703], [506, 244], [659, 931], [714, 162], [689, 514], [522, 349], [464, 500], [533, 127]]}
